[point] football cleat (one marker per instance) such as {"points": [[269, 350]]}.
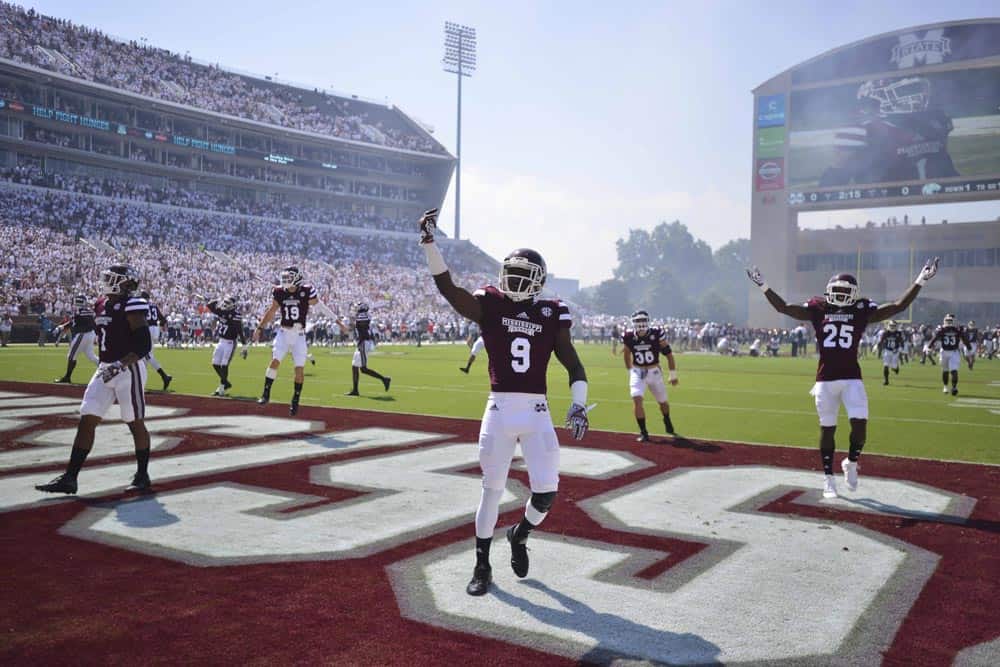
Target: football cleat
{"points": [[954, 391], [829, 487], [62, 380], [226, 386], [482, 577], [166, 381], [264, 400], [850, 469], [518, 555], [464, 370], [944, 389], [643, 437], [668, 424], [140, 482], [353, 392], [386, 381], [293, 409], [61, 484], [219, 391]]}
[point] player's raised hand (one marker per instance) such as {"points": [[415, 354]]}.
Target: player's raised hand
{"points": [[756, 277], [428, 223], [576, 421], [929, 271]]}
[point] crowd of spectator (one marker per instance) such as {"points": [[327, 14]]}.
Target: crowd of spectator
{"points": [[57, 243], [82, 52], [119, 188]]}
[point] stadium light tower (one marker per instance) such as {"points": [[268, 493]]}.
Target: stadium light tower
{"points": [[459, 59]]}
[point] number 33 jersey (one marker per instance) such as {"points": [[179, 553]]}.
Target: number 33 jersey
{"points": [[520, 337], [294, 305], [838, 332]]}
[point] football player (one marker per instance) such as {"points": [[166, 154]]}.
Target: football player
{"points": [[82, 326], [230, 328], [889, 345], [971, 343], [364, 339], [839, 318], [155, 320], [521, 331], [477, 347], [291, 299], [124, 341], [951, 338], [643, 346]]}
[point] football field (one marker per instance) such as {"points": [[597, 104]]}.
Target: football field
{"points": [[751, 400]]}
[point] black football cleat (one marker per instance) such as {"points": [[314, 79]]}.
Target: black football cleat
{"points": [[885, 381], [386, 381], [954, 391], [293, 409], [264, 400], [353, 392], [227, 385], [464, 370], [61, 484], [668, 424], [482, 577], [518, 555], [167, 379], [643, 437], [141, 482], [62, 380]]}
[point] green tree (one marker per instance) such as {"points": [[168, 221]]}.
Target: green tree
{"points": [[611, 297]]}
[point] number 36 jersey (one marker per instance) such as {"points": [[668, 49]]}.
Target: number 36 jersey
{"points": [[294, 306], [838, 332], [520, 337], [645, 349]]}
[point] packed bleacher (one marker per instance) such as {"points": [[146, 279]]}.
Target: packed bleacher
{"points": [[29, 174], [53, 249], [81, 52]]}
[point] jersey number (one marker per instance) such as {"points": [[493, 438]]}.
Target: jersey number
{"points": [[949, 340], [291, 312], [644, 357], [520, 355], [838, 334]]}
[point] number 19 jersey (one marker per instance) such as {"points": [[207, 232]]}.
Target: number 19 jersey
{"points": [[838, 333], [520, 337], [294, 305]]}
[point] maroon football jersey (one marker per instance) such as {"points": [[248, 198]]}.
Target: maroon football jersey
{"points": [[645, 349], [114, 335], [520, 337], [838, 332], [294, 305], [949, 337]]}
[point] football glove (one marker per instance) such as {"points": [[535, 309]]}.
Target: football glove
{"points": [[243, 352], [757, 278], [111, 371], [929, 271], [428, 224], [576, 421]]}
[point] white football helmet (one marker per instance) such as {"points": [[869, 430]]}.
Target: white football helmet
{"points": [[640, 322], [901, 96], [842, 290]]}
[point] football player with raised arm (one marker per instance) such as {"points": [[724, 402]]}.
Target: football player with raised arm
{"points": [[889, 345], [643, 346], [229, 329], [521, 331], [364, 339], [82, 327], [292, 299], [123, 341], [951, 338], [839, 318], [155, 320]]}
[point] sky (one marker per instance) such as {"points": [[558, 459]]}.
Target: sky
{"points": [[583, 120]]}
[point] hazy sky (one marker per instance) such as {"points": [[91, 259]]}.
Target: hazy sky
{"points": [[583, 119]]}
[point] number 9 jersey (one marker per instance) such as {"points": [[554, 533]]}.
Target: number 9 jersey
{"points": [[838, 333], [520, 337]]}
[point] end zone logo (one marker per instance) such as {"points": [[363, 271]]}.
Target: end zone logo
{"points": [[770, 174]]}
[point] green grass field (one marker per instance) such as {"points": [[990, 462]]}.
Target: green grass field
{"points": [[742, 399]]}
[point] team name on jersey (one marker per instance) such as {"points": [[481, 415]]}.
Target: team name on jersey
{"points": [[515, 325], [839, 317]]}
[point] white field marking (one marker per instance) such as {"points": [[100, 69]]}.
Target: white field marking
{"points": [[975, 403], [116, 440], [36, 401], [14, 424], [258, 526], [11, 394], [18, 492]]}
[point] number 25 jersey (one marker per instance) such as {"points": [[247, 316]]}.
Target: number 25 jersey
{"points": [[520, 337], [838, 333]]}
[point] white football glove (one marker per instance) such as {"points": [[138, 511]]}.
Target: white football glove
{"points": [[111, 371], [428, 224], [576, 420], [929, 271], [757, 278]]}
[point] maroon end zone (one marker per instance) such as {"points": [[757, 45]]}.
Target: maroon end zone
{"points": [[104, 597]]}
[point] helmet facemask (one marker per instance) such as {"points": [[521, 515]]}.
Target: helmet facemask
{"points": [[841, 292], [640, 322], [290, 279], [118, 281], [228, 303], [521, 279]]}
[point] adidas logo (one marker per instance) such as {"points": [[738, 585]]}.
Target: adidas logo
{"points": [[522, 315]]}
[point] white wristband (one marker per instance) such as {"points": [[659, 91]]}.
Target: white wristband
{"points": [[764, 287], [435, 262], [578, 392], [673, 375]]}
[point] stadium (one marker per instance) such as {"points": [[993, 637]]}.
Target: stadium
{"points": [[171, 229]]}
